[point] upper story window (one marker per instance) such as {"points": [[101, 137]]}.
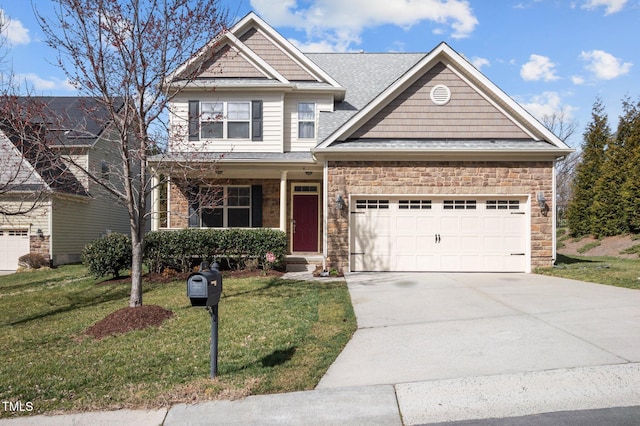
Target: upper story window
{"points": [[225, 120], [306, 120]]}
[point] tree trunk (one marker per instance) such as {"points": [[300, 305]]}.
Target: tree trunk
{"points": [[136, 272]]}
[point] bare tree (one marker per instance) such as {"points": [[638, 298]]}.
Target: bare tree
{"points": [[24, 156], [121, 52], [563, 127]]}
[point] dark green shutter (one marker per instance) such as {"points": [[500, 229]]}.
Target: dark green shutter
{"points": [[256, 206], [194, 120], [256, 120]]}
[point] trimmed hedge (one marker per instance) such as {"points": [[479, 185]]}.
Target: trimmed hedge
{"points": [[108, 255], [181, 248]]}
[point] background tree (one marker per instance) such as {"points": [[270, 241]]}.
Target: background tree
{"points": [[630, 189], [564, 128], [608, 213], [121, 52], [21, 187], [596, 137]]}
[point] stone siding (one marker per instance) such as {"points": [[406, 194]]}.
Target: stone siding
{"points": [[439, 177]]}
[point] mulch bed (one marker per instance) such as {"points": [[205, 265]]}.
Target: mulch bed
{"points": [[128, 319]]}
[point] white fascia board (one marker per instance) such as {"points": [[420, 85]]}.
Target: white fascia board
{"points": [[504, 98]]}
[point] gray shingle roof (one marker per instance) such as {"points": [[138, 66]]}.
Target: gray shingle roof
{"points": [[364, 75]]}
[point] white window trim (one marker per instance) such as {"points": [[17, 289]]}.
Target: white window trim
{"points": [[224, 118], [226, 207], [300, 120]]}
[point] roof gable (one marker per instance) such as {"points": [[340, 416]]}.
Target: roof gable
{"points": [[441, 64], [413, 114], [251, 43]]}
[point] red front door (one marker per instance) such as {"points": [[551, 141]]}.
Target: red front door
{"points": [[305, 223]]}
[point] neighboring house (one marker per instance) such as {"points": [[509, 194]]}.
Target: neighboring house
{"points": [[70, 209], [371, 162]]}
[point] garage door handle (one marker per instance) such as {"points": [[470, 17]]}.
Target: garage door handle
{"points": [[517, 254], [437, 238]]}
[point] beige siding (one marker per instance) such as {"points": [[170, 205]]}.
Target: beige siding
{"points": [[272, 125], [77, 221], [292, 143], [228, 63], [275, 57], [34, 220], [467, 115]]}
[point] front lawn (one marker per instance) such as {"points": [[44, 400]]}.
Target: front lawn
{"points": [[274, 336], [603, 270]]}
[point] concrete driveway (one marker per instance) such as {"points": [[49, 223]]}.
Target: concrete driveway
{"points": [[430, 326]]}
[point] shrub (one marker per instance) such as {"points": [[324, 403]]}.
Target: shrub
{"points": [[108, 255], [182, 249], [32, 261]]}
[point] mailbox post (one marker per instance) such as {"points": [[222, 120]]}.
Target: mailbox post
{"points": [[204, 289]]}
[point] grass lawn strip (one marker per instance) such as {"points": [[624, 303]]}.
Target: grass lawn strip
{"points": [[602, 270], [275, 336]]}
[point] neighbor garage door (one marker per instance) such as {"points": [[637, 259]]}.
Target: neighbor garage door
{"points": [[13, 244], [485, 234]]}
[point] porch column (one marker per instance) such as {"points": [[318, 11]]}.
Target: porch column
{"points": [[155, 203], [283, 201]]}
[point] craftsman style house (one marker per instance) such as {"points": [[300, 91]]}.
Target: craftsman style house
{"points": [[60, 208], [371, 162]]}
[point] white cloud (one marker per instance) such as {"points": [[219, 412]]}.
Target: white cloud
{"points": [[341, 22], [546, 104], [577, 80], [604, 65], [611, 6], [38, 83], [14, 31], [480, 62], [538, 68]]}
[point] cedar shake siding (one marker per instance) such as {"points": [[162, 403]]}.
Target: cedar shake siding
{"points": [[412, 115], [228, 63], [264, 48]]}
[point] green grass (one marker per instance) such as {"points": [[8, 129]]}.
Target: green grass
{"points": [[632, 250], [274, 336], [603, 270], [585, 248]]}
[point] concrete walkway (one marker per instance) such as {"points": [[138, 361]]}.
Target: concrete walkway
{"points": [[450, 347]]}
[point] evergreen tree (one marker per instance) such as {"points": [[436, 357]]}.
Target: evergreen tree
{"points": [[630, 191], [609, 216], [596, 138]]}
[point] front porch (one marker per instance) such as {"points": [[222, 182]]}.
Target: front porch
{"points": [[281, 195]]}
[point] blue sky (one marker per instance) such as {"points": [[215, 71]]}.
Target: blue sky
{"points": [[549, 55]]}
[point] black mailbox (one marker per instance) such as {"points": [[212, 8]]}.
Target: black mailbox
{"points": [[205, 287]]}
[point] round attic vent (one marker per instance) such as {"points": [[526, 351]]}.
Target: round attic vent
{"points": [[440, 94]]}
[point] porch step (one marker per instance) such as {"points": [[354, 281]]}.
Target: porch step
{"points": [[303, 263]]}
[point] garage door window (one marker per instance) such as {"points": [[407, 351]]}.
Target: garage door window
{"points": [[372, 204], [414, 204], [503, 205], [459, 204]]}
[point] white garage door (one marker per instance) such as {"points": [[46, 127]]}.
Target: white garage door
{"points": [[13, 244], [438, 234]]}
